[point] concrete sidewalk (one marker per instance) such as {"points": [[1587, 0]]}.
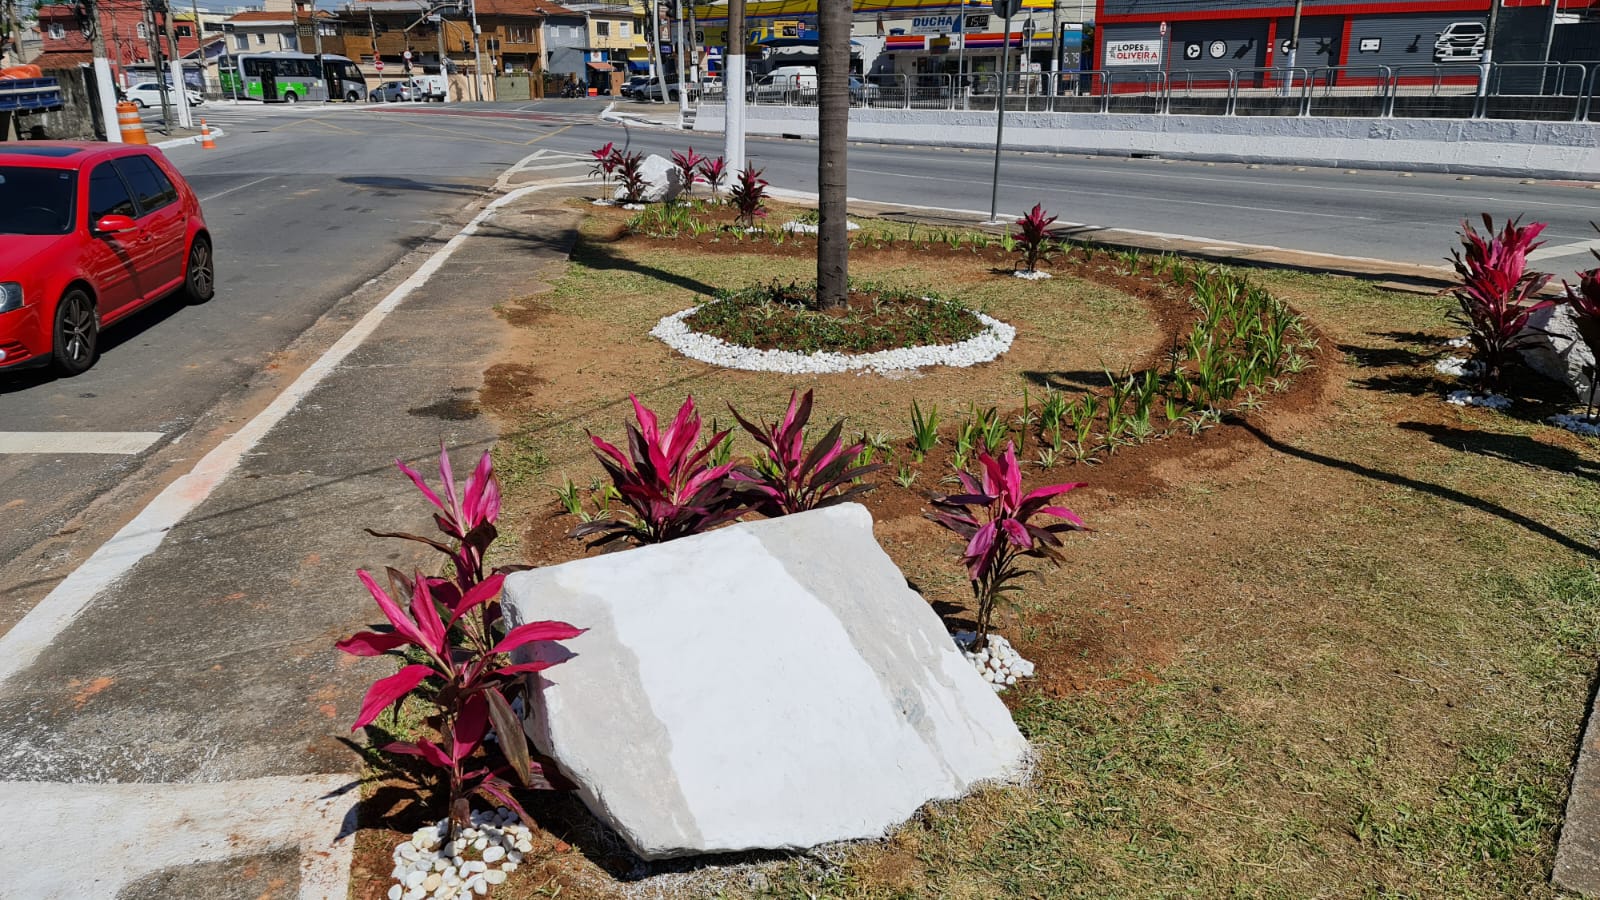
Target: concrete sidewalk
{"points": [[195, 712]]}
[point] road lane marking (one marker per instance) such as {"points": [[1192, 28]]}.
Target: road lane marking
{"points": [[54, 442], [1565, 250], [236, 188]]}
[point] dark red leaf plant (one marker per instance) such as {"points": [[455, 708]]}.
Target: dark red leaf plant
{"points": [[630, 167], [666, 479], [456, 647], [1497, 291], [749, 196], [1033, 236], [1584, 301], [793, 478], [688, 165], [714, 171], [606, 160], [1002, 528]]}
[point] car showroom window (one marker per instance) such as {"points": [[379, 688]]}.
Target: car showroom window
{"points": [[108, 196], [150, 186]]}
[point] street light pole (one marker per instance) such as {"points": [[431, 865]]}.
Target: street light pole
{"points": [[733, 90], [477, 53], [1294, 46], [1004, 6]]}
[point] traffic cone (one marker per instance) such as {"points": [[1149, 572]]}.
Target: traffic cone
{"points": [[205, 136]]}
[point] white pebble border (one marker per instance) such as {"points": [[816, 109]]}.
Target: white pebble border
{"points": [[603, 202], [1588, 426], [1487, 401], [633, 206], [1031, 274], [986, 345], [999, 663], [1459, 342], [808, 228], [1458, 367], [426, 866]]}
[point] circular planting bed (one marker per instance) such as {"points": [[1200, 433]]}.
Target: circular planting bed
{"points": [[778, 328]]}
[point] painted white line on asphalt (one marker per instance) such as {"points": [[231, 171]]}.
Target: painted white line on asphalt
{"points": [[238, 187], [1560, 250], [140, 537], [808, 196], [120, 833], [52, 442]]}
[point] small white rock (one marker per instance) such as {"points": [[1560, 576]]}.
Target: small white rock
{"points": [[494, 876], [510, 866], [494, 854], [395, 892], [415, 880], [515, 856]]}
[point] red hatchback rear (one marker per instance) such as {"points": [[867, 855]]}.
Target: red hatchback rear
{"points": [[88, 234]]}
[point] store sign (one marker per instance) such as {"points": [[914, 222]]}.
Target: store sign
{"points": [[935, 24], [1133, 53]]}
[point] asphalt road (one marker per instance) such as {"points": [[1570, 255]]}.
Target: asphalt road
{"points": [[307, 205]]}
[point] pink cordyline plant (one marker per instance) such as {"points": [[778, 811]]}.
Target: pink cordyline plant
{"points": [[606, 160], [1497, 291], [998, 521], [714, 171], [749, 196], [665, 479], [794, 479], [1033, 230], [460, 660], [1584, 300], [688, 168]]}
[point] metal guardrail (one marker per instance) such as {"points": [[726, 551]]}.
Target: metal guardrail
{"points": [[1557, 91]]}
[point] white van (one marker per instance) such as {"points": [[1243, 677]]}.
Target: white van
{"points": [[429, 87], [784, 84]]}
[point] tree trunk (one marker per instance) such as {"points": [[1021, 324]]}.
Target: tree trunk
{"points": [[833, 123]]}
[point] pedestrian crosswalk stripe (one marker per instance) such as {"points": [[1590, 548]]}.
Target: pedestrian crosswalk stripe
{"points": [[52, 442]]}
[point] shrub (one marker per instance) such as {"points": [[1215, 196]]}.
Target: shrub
{"points": [[997, 520], [1497, 291], [459, 658], [714, 171], [749, 196], [631, 166], [665, 479], [1033, 234], [688, 167], [793, 479], [1585, 303], [605, 162]]}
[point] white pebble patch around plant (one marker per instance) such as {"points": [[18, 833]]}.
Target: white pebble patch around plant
{"points": [[1457, 343], [1458, 367], [1487, 401], [808, 228], [1588, 426], [999, 663], [603, 202], [480, 857], [986, 345], [1031, 274]]}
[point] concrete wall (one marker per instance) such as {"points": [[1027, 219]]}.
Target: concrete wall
{"points": [[1488, 147], [75, 120]]}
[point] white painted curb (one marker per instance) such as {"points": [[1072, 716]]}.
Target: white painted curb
{"points": [[192, 139]]}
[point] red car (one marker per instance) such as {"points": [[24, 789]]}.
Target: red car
{"points": [[89, 233]]}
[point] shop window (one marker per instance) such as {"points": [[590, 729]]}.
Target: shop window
{"points": [[601, 29]]}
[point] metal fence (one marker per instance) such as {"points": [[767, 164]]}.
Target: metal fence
{"points": [[1565, 92]]}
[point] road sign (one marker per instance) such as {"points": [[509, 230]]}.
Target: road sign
{"points": [[377, 65], [1191, 50], [406, 56], [1005, 9]]}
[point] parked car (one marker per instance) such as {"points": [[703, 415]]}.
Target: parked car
{"points": [[652, 90], [711, 86], [635, 84], [863, 91], [429, 87], [89, 233], [783, 84], [148, 94], [391, 91]]}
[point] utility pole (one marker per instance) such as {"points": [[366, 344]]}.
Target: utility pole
{"points": [[477, 52], [105, 91], [1294, 46], [175, 63], [733, 89], [1005, 8], [655, 42], [153, 46], [322, 68], [697, 73], [1488, 57], [678, 54]]}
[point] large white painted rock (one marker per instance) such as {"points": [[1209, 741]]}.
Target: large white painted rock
{"points": [[1555, 350], [769, 685], [661, 178]]}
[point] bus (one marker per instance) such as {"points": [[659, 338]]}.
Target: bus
{"points": [[292, 77]]}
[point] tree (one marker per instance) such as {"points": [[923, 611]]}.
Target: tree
{"points": [[833, 125]]}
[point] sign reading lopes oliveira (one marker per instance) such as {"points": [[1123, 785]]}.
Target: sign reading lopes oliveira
{"points": [[1133, 53]]}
